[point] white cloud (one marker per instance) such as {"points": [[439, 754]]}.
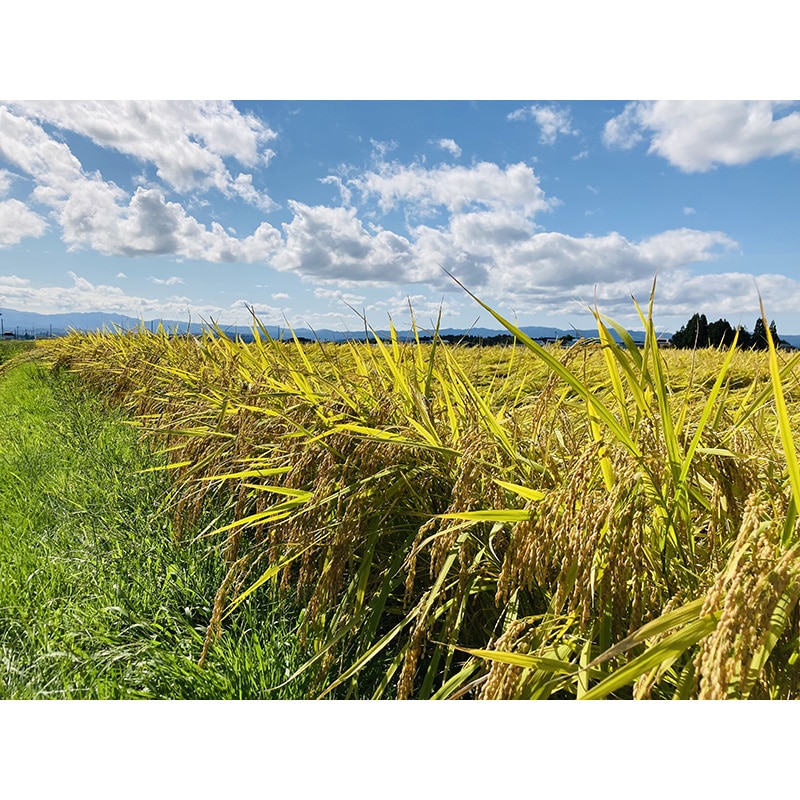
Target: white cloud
{"points": [[425, 310], [498, 251], [281, 296], [455, 188], [623, 131], [679, 294], [239, 314], [339, 296], [450, 146], [344, 190], [82, 295], [5, 181], [688, 210], [121, 275], [380, 149], [696, 136], [553, 268], [186, 141], [583, 154], [438, 250], [17, 222], [242, 185], [13, 281], [172, 281], [485, 234], [733, 295], [99, 214], [551, 120], [332, 244], [25, 144], [676, 248]]}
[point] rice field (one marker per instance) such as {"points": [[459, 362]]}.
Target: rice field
{"points": [[606, 521]]}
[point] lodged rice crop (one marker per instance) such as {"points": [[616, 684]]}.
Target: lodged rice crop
{"points": [[609, 520]]}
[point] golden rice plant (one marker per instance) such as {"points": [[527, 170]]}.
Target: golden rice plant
{"points": [[677, 505], [526, 521]]}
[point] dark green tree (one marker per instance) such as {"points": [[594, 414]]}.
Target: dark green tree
{"points": [[720, 333], [693, 334], [745, 341], [759, 338]]}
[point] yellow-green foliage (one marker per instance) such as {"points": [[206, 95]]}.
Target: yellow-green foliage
{"points": [[498, 522]]}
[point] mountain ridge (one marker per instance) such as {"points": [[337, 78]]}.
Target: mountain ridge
{"points": [[34, 325], [26, 323]]}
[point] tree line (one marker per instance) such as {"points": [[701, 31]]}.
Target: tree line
{"points": [[699, 332]]}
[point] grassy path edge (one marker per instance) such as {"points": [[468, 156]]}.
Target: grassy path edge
{"points": [[96, 600]]}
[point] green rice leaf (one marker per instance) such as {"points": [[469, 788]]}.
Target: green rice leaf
{"points": [[672, 648]]}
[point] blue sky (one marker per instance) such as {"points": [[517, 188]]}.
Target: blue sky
{"points": [[304, 208], [316, 200]]}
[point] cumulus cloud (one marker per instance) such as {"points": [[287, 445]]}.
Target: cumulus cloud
{"points": [[99, 214], [13, 282], [498, 252], [733, 295], [26, 144], [676, 248], [17, 222], [487, 207], [332, 243], [436, 251], [454, 187], [450, 146], [150, 225], [186, 141], [482, 232], [696, 136], [551, 120], [556, 260], [486, 234], [623, 131]]}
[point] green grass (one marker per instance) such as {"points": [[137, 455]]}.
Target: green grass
{"points": [[97, 600], [13, 347]]}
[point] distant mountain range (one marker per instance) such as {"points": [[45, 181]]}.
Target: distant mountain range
{"points": [[26, 324]]}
